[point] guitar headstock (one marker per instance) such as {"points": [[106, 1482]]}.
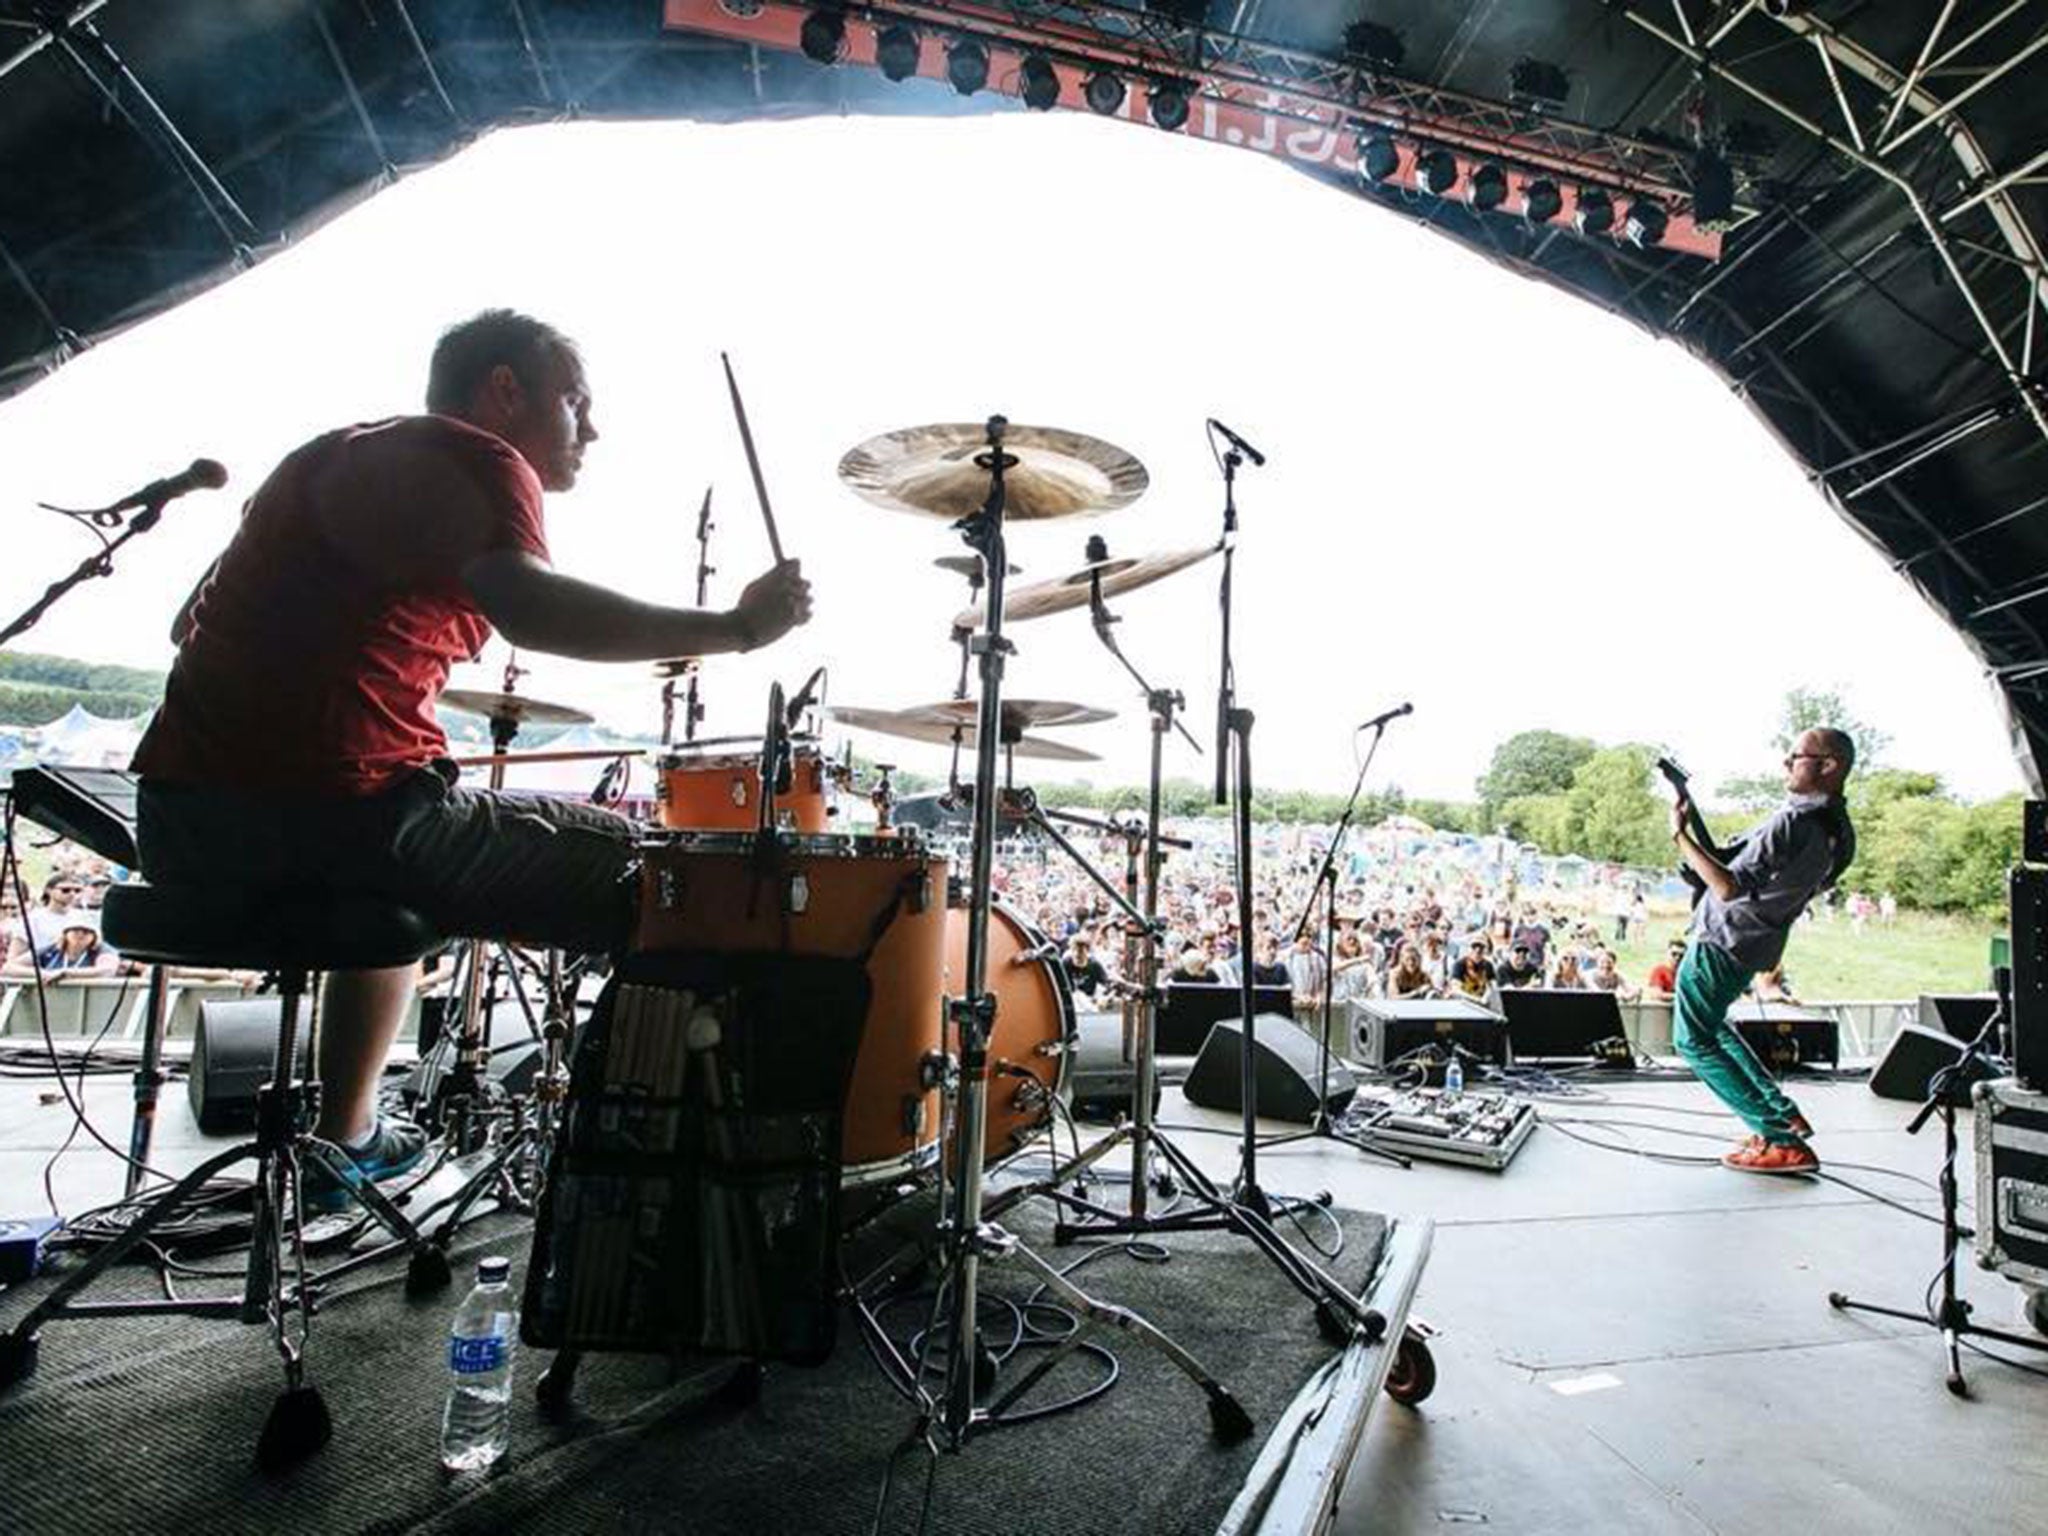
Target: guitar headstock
{"points": [[1674, 775]]}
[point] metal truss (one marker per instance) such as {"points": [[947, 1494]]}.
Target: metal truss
{"points": [[1875, 153], [1337, 96]]}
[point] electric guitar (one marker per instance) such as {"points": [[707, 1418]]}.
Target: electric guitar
{"points": [[1695, 827]]}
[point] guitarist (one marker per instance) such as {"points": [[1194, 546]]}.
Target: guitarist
{"points": [[1752, 898]]}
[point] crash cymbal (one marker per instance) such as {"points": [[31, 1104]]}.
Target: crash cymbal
{"points": [[931, 471], [1057, 594], [514, 707], [970, 567], [1019, 715], [912, 726]]}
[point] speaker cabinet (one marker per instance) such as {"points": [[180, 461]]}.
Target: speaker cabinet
{"points": [[234, 1049], [1099, 1080], [1190, 1007], [1960, 1015], [1560, 1023], [2029, 891], [1787, 1037], [1387, 1031], [1284, 1083], [1914, 1056]]}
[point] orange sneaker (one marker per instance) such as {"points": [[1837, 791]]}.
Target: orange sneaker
{"points": [[1770, 1158], [1798, 1127]]}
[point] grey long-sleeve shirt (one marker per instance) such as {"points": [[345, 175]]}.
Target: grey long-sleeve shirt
{"points": [[1780, 866]]}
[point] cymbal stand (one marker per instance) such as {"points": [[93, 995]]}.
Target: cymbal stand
{"points": [[964, 1238], [1321, 1128], [1209, 1208]]}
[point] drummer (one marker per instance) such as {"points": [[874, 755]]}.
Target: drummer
{"points": [[297, 745]]}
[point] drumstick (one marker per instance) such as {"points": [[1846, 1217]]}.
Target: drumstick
{"points": [[739, 412]]}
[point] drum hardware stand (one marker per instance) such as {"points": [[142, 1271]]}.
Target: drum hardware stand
{"points": [[1338, 1312], [1952, 1317], [965, 1238], [1321, 1127]]}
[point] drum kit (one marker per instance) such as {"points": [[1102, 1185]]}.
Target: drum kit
{"points": [[966, 1022]]}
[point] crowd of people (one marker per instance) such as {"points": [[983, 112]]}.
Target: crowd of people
{"points": [[1413, 917], [59, 934]]}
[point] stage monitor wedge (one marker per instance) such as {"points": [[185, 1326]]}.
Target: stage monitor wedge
{"points": [[1284, 1060], [1559, 1023]]}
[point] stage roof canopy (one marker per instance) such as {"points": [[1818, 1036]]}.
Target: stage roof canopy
{"points": [[1841, 207]]}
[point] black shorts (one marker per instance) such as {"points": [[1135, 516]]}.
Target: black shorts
{"points": [[473, 863]]}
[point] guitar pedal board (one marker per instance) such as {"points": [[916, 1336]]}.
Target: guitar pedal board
{"points": [[1477, 1129]]}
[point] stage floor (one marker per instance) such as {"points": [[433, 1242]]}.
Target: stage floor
{"points": [[1628, 1344]]}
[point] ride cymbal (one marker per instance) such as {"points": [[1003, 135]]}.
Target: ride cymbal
{"points": [[931, 471], [515, 708], [914, 726], [1057, 594]]}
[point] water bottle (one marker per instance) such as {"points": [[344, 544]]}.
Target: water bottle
{"points": [[1454, 1077], [481, 1344]]}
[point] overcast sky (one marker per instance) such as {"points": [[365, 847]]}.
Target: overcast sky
{"points": [[1483, 496]]}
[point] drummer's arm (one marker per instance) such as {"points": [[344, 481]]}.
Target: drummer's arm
{"points": [[538, 608]]}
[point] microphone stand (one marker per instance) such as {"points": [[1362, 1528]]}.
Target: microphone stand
{"points": [[1952, 1317], [1321, 1127], [99, 564], [1234, 787]]}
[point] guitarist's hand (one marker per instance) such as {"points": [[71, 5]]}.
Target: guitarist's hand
{"points": [[1681, 809]]}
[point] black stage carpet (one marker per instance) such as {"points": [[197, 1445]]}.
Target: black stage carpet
{"points": [[150, 1424]]}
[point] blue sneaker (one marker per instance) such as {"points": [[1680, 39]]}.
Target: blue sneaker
{"points": [[394, 1147]]}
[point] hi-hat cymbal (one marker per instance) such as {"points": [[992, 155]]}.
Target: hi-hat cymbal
{"points": [[514, 707], [912, 725], [1057, 594], [1019, 715], [970, 567], [931, 471]]}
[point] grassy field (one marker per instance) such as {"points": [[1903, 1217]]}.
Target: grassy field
{"points": [[1828, 960]]}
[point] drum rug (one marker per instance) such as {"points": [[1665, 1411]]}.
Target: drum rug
{"points": [[150, 1424]]}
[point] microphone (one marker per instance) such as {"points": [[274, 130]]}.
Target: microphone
{"points": [[794, 714], [1237, 442], [1388, 714], [208, 474]]}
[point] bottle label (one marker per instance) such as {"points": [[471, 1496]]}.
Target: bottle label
{"points": [[476, 1357]]}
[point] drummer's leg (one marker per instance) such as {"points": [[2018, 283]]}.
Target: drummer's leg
{"points": [[360, 1016], [520, 867]]}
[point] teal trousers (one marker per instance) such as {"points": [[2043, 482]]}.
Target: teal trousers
{"points": [[1709, 981]]}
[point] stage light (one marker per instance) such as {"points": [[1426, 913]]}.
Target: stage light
{"points": [[1104, 91], [1436, 171], [1040, 83], [1645, 223], [823, 35], [1540, 84], [1167, 101], [1488, 187], [967, 66], [1713, 190], [1378, 156], [1541, 200], [897, 51], [1594, 214], [1369, 43]]}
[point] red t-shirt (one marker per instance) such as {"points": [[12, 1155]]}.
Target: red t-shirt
{"points": [[325, 633]]}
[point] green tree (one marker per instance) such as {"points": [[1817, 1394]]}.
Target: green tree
{"points": [[1615, 812], [1530, 763], [1545, 820], [1801, 711]]}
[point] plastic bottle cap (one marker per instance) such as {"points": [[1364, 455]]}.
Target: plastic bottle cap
{"points": [[493, 1271]]}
